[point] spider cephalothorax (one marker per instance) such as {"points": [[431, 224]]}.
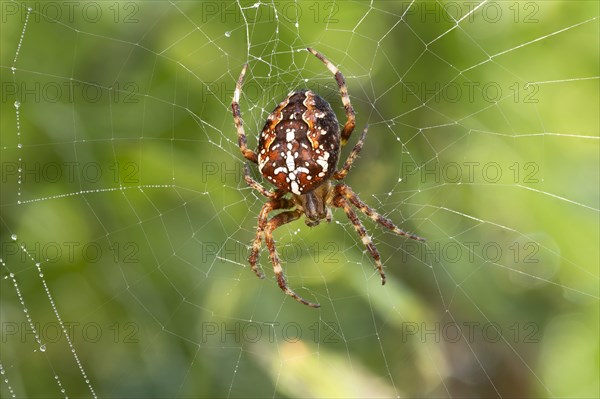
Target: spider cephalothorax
{"points": [[298, 152]]}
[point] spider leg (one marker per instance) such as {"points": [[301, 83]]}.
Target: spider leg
{"points": [[274, 203], [257, 186], [340, 174], [237, 117], [275, 222], [339, 78], [345, 191], [341, 202]]}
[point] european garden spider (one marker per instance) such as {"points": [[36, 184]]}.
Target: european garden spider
{"points": [[298, 151]]}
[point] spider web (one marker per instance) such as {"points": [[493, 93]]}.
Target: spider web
{"points": [[126, 222]]}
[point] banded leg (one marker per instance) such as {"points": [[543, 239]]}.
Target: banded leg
{"points": [[341, 82], [257, 186], [275, 203], [340, 174], [237, 117], [275, 222], [341, 202], [347, 193]]}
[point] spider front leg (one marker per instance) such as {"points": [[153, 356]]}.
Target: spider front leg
{"points": [[275, 222], [339, 78], [346, 192], [237, 117]]}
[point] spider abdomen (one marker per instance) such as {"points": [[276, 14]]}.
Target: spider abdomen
{"points": [[298, 148]]}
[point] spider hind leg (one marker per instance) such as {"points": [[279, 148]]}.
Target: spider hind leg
{"points": [[345, 191], [343, 198], [271, 205]]}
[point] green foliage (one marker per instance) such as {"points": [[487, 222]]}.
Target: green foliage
{"points": [[483, 138]]}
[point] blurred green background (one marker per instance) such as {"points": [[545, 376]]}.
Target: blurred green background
{"points": [[126, 223]]}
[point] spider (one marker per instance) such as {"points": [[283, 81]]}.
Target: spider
{"points": [[298, 152]]}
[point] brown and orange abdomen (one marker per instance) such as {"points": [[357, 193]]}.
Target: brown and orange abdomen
{"points": [[299, 146]]}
